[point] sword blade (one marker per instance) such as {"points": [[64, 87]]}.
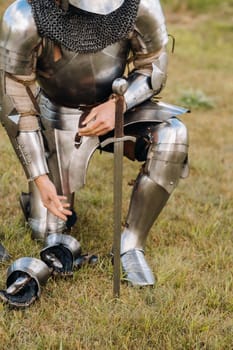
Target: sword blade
{"points": [[117, 190]]}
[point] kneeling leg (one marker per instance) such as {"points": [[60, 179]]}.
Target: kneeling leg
{"points": [[165, 164]]}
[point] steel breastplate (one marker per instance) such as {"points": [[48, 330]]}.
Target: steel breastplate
{"points": [[77, 79]]}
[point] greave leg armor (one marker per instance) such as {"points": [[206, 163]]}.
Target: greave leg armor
{"points": [[41, 221], [59, 128], [147, 201], [163, 168]]}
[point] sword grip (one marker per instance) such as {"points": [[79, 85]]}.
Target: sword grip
{"points": [[119, 100]]}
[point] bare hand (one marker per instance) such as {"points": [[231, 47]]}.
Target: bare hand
{"points": [[56, 204], [100, 120]]}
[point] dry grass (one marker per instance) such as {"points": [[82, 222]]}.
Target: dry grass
{"points": [[190, 247]]}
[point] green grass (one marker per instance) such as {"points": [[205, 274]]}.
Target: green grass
{"points": [[197, 6], [196, 100], [190, 248]]}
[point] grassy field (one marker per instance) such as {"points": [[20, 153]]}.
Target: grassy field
{"points": [[191, 245]]}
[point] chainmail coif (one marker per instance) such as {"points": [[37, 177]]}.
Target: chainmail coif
{"points": [[82, 31]]}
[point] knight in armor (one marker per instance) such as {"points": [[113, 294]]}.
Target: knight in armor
{"points": [[63, 63]]}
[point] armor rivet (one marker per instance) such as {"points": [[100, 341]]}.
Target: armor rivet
{"points": [[171, 183]]}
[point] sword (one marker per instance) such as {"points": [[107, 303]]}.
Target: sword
{"points": [[85, 147], [119, 139], [117, 194]]}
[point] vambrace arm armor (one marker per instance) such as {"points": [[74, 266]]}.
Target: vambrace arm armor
{"points": [[19, 46], [149, 56], [19, 117]]}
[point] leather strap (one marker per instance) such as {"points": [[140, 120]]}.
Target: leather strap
{"points": [[27, 84]]}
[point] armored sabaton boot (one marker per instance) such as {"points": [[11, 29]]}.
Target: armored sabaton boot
{"points": [[166, 163], [147, 201], [24, 279]]}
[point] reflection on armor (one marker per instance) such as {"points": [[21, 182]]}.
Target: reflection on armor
{"points": [[80, 79], [28, 145], [136, 268], [150, 25]]}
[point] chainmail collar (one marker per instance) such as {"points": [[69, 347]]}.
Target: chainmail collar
{"points": [[82, 31]]}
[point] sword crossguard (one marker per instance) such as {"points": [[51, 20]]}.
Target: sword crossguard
{"points": [[117, 139]]}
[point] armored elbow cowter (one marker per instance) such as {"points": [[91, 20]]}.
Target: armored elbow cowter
{"points": [[148, 42], [140, 86]]}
